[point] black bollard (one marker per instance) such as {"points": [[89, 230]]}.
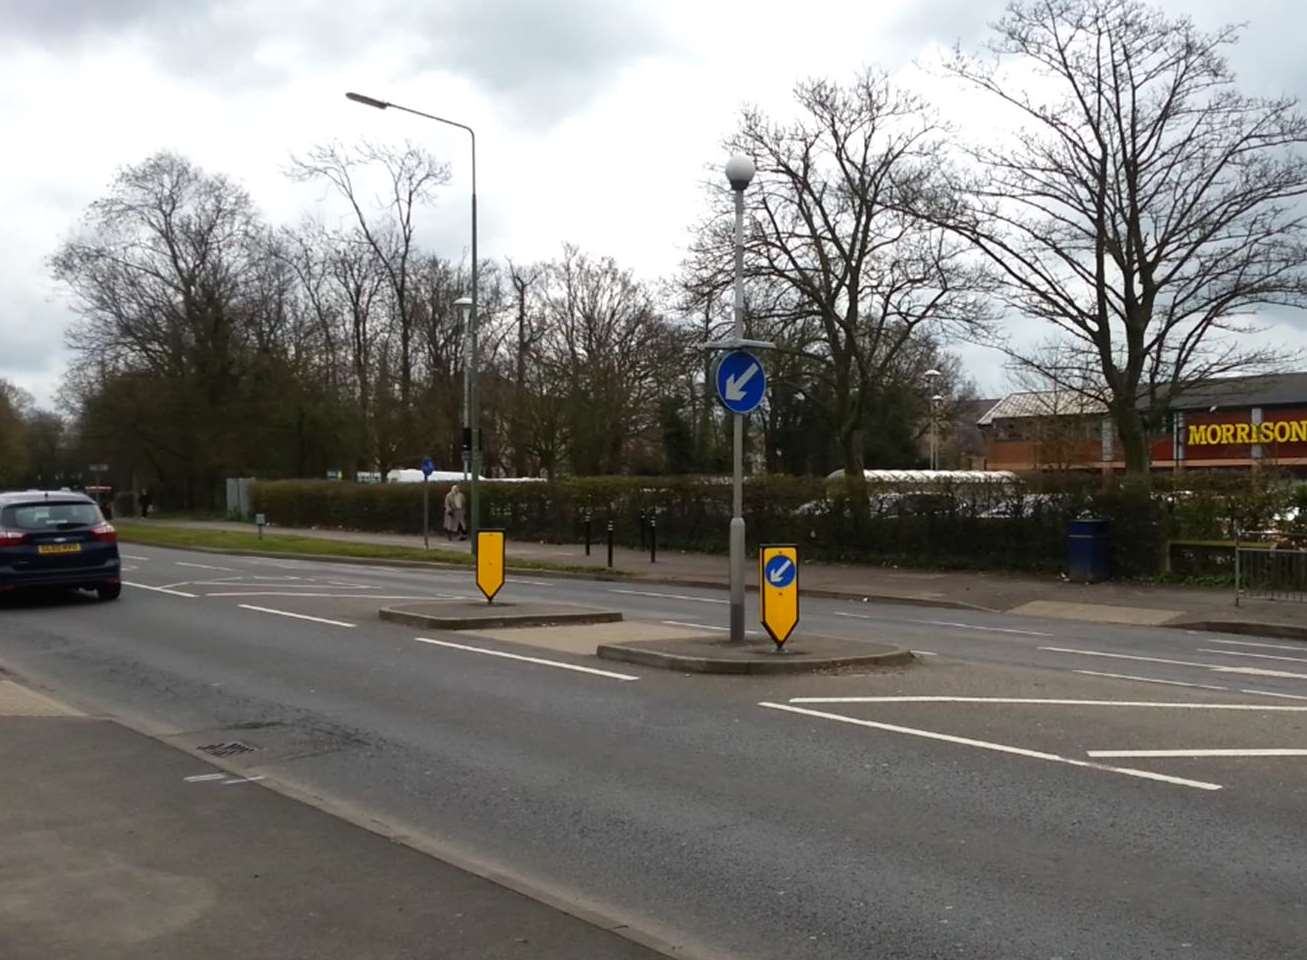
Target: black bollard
{"points": [[644, 520], [610, 544], [653, 538], [587, 533]]}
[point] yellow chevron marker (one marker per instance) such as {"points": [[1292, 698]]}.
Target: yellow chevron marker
{"points": [[490, 562], [778, 590]]}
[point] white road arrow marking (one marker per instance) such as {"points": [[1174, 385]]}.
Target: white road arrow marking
{"points": [[735, 385], [777, 575]]}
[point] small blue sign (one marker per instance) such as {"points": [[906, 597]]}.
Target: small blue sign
{"points": [[741, 381], [428, 468], [780, 571]]}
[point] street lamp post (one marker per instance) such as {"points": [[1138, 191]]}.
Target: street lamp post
{"points": [[464, 305], [739, 171], [472, 399], [931, 376]]}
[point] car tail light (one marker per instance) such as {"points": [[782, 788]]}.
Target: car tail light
{"points": [[12, 538], [105, 533]]}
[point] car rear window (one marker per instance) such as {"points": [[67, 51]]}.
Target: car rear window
{"points": [[34, 517]]}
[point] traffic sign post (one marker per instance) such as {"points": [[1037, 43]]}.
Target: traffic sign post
{"points": [[428, 468], [778, 590], [490, 562]]}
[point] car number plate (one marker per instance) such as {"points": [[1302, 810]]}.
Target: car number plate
{"points": [[48, 548]]}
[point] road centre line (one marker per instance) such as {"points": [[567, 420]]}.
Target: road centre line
{"points": [[1173, 683], [1269, 646], [204, 566], [339, 596], [1272, 693], [536, 660], [1255, 656], [1255, 752], [132, 556], [296, 616], [995, 747], [201, 777], [945, 623], [530, 583], [1214, 667], [1043, 701], [668, 596], [146, 586]]}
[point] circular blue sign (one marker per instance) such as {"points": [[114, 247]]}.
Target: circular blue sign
{"points": [[780, 572], [741, 381], [428, 468]]}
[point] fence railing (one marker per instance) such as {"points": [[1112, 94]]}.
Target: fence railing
{"points": [[1268, 570]]}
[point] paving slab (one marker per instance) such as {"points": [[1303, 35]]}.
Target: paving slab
{"points": [[717, 654], [476, 614]]}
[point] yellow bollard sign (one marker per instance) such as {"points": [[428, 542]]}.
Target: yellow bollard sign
{"points": [[778, 590], [490, 562]]}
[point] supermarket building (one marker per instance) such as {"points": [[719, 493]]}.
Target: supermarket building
{"points": [[1236, 423]]}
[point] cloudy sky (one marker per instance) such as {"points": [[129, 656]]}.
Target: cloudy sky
{"points": [[597, 120]]}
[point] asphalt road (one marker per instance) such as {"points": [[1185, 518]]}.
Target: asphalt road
{"points": [[1000, 799]]}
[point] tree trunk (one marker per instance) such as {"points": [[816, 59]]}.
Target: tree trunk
{"points": [[1134, 441]]}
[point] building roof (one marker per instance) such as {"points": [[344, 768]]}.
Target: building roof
{"points": [[1041, 403], [1261, 390], [970, 411]]}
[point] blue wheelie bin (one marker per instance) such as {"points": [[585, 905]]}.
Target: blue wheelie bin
{"points": [[1087, 554]]}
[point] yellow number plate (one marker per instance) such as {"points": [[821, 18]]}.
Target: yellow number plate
{"points": [[47, 548]]}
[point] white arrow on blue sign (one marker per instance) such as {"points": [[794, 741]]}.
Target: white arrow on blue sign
{"points": [[780, 571], [741, 381]]}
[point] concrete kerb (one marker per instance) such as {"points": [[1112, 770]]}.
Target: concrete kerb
{"points": [[1247, 628], [762, 664], [473, 615]]}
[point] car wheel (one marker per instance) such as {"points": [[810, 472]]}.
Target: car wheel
{"points": [[109, 591]]}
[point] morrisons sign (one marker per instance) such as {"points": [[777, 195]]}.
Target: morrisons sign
{"points": [[1281, 431]]}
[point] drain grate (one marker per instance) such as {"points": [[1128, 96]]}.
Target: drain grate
{"points": [[227, 748]]}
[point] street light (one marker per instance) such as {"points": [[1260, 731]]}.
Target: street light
{"points": [[471, 395], [930, 376], [739, 171], [464, 305]]}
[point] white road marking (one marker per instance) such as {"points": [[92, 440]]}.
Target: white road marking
{"points": [[1041, 701], [296, 616], [132, 556], [340, 596], [1266, 752], [1255, 656], [705, 626], [945, 623], [146, 586], [996, 747], [536, 660], [204, 566], [1214, 667], [1269, 646], [1272, 693], [530, 583], [1173, 683], [668, 596], [201, 777], [925, 653], [227, 783]]}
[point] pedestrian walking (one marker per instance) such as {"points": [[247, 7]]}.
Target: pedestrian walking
{"points": [[146, 501], [455, 514]]}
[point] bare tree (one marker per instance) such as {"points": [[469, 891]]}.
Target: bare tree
{"points": [[530, 331], [412, 176], [831, 241], [1145, 208]]}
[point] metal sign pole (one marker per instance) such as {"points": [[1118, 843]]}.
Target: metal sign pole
{"points": [[737, 439]]}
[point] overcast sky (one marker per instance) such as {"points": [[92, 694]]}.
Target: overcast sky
{"points": [[597, 120]]}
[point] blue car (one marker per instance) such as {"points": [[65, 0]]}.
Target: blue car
{"points": [[57, 539]]}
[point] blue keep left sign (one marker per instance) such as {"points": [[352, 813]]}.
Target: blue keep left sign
{"points": [[780, 572], [428, 468], [741, 381]]}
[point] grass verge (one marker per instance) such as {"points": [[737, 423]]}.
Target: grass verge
{"points": [[157, 535]]}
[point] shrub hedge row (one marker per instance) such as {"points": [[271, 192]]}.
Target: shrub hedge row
{"points": [[1000, 527]]}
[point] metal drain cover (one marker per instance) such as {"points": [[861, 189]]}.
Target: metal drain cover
{"points": [[227, 748]]}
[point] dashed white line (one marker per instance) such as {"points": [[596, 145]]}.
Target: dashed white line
{"points": [[296, 616], [945, 623], [1214, 667], [925, 653], [1172, 683], [1255, 656], [667, 596], [146, 586], [530, 583], [1043, 701], [1269, 646], [227, 783], [996, 747], [204, 566], [536, 660], [339, 596], [132, 556], [201, 777], [1272, 693], [1254, 752]]}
